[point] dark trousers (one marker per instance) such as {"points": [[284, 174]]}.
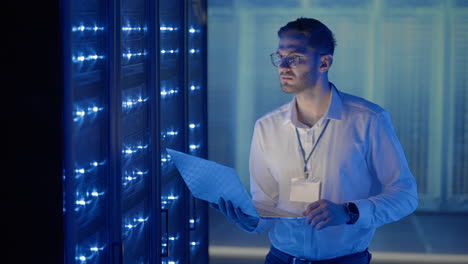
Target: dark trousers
{"points": [[276, 256]]}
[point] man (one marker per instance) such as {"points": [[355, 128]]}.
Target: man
{"points": [[329, 155]]}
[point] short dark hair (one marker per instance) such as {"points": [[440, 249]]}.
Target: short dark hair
{"points": [[317, 34]]}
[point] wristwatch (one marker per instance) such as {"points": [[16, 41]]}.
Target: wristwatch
{"points": [[353, 213]]}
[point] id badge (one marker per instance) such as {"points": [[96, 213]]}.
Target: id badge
{"points": [[303, 190]]}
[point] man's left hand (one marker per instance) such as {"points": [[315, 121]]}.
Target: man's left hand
{"points": [[323, 213]]}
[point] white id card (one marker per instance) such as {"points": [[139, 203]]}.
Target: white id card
{"points": [[304, 191]]}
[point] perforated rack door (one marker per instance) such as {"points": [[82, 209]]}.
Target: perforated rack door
{"points": [[133, 86], [197, 126], [87, 132], [139, 175], [173, 130]]}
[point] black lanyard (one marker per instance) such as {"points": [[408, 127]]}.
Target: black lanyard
{"points": [[313, 148]]}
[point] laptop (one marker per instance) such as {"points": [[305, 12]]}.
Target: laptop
{"points": [[209, 181]]}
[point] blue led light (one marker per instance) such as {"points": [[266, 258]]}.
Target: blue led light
{"points": [[194, 87], [95, 109], [192, 223], [136, 222], [165, 158], [132, 102], [171, 51], [165, 92], [134, 149], [92, 195], [132, 176], [87, 253], [164, 28], [168, 199], [170, 133], [82, 28], [137, 29], [83, 170], [193, 51], [82, 112], [194, 147], [83, 58], [81, 202], [130, 55]]}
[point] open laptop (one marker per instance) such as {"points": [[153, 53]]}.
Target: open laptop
{"points": [[266, 211], [209, 181]]}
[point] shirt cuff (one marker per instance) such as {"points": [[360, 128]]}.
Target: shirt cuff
{"points": [[366, 211]]}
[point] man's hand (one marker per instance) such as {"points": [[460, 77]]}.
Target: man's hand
{"points": [[235, 214], [323, 213]]}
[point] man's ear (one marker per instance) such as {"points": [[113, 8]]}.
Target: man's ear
{"points": [[326, 62]]}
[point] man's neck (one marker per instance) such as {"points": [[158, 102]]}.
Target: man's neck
{"points": [[313, 103]]}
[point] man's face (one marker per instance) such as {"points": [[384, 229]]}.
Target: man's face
{"points": [[297, 78]]}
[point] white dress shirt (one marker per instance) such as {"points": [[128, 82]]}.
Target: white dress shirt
{"points": [[358, 159]]}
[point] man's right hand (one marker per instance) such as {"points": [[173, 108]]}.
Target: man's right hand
{"points": [[235, 214]]}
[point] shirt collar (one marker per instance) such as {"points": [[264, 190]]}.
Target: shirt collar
{"points": [[334, 109]]}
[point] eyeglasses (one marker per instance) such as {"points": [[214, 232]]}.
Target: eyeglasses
{"points": [[292, 60]]}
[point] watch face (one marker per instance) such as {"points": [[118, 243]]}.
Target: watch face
{"points": [[353, 213], [353, 208]]}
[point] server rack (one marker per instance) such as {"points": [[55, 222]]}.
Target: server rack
{"points": [[134, 85]]}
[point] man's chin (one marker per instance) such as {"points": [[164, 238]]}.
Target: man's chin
{"points": [[289, 89]]}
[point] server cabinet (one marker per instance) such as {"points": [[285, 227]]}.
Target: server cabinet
{"points": [[197, 124], [134, 85]]}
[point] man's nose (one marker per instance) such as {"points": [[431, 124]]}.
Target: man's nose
{"points": [[284, 64], [285, 70]]}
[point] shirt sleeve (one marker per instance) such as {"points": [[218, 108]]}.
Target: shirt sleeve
{"points": [[263, 186], [386, 160]]}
